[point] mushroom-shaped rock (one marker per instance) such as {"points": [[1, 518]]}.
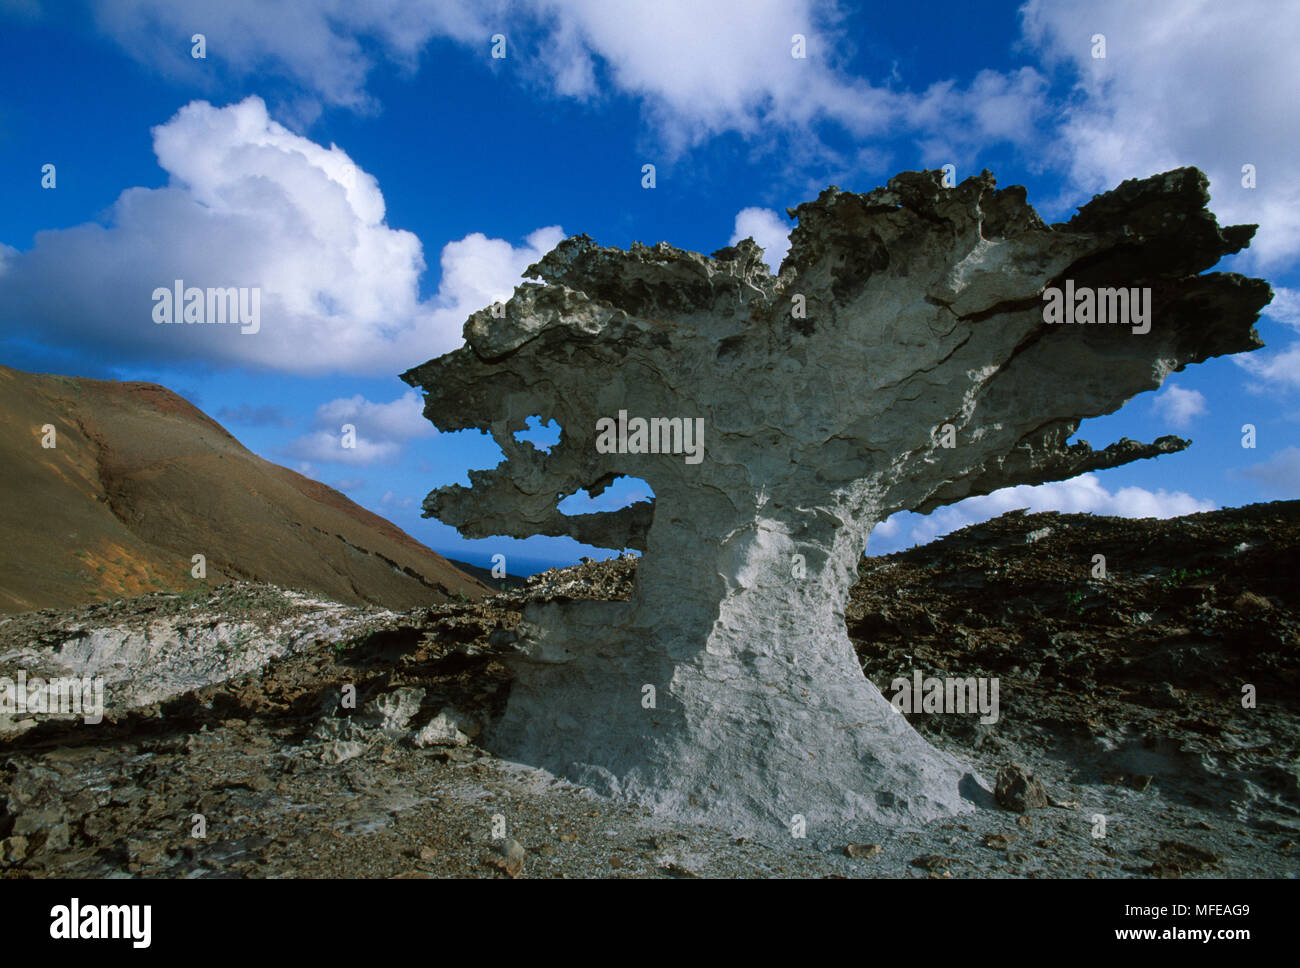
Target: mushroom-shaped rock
{"points": [[920, 344]]}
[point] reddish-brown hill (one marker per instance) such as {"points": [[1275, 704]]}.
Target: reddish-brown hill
{"points": [[140, 481]]}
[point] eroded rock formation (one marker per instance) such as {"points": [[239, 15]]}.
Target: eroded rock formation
{"points": [[898, 360]]}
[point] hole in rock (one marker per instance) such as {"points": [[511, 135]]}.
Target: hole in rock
{"points": [[624, 491], [541, 435]]}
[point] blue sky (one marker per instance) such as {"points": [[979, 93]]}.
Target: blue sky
{"points": [[379, 175]]}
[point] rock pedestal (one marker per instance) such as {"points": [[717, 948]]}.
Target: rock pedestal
{"points": [[899, 360]]}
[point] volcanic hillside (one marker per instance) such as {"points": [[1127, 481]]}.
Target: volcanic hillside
{"points": [[140, 481]]}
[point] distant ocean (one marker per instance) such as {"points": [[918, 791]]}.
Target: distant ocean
{"points": [[516, 565]]}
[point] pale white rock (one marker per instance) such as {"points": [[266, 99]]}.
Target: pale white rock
{"points": [[341, 750], [727, 689], [450, 727], [148, 660], [392, 711]]}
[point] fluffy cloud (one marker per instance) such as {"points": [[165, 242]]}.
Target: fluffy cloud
{"points": [[326, 46], [327, 447], [1080, 495], [1182, 83], [768, 229], [699, 69], [250, 204], [399, 420], [1179, 406], [380, 429], [1275, 371], [957, 123], [1204, 84], [1285, 307]]}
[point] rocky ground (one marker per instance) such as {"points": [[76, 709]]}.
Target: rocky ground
{"points": [[278, 734]]}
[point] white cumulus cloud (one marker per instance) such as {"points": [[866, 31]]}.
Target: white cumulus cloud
{"points": [[378, 430], [1278, 371], [1080, 495], [768, 229], [1285, 307], [1179, 406], [698, 69], [1204, 84], [400, 419], [251, 204]]}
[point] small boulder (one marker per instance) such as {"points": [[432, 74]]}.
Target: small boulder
{"points": [[1018, 790], [341, 750], [450, 727], [861, 851], [392, 711], [507, 856]]}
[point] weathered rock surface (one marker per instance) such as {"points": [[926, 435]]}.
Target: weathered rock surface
{"points": [[171, 647], [901, 320], [1203, 771]]}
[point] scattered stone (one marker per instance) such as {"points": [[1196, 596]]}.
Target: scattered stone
{"points": [[932, 862], [508, 856], [121, 793], [999, 841], [1018, 790], [341, 750], [392, 711], [862, 851], [449, 728]]}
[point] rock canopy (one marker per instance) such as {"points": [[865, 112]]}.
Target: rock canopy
{"points": [[899, 360]]}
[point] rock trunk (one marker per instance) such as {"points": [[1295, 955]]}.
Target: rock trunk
{"points": [[735, 697]]}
